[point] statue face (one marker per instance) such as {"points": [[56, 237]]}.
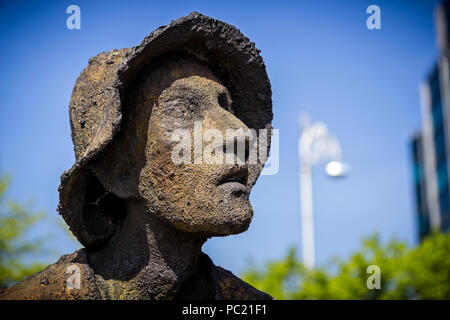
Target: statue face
{"points": [[212, 199]]}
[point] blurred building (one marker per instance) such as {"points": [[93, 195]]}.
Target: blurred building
{"points": [[423, 220], [431, 148]]}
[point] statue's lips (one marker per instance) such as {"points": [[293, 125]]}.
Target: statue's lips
{"points": [[237, 174]]}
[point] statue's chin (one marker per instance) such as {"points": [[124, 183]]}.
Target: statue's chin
{"points": [[224, 211], [232, 228], [221, 222]]}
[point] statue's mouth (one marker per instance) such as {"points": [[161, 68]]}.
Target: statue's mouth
{"points": [[237, 174]]}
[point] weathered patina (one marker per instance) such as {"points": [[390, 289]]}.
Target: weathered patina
{"points": [[141, 217]]}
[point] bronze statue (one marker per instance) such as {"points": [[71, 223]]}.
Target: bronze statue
{"points": [[142, 218]]}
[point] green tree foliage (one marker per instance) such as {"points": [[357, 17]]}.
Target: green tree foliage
{"points": [[419, 273], [15, 245]]}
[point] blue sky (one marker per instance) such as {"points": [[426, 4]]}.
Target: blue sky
{"points": [[320, 58]]}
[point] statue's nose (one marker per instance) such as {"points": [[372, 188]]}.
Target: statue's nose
{"points": [[221, 119], [237, 138]]}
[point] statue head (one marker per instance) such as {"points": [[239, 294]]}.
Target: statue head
{"points": [[196, 76]]}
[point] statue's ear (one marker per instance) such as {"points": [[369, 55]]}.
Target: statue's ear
{"points": [[102, 210]]}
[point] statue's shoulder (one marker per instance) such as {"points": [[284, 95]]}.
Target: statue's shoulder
{"points": [[233, 288], [69, 278]]}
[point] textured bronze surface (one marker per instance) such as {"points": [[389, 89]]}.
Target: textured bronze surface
{"points": [[142, 218]]}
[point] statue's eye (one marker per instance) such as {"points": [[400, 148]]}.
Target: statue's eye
{"points": [[225, 101]]}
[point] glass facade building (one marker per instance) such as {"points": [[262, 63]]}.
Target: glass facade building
{"points": [[423, 220], [430, 149]]}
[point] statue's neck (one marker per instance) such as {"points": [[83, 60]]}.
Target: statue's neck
{"points": [[147, 259]]}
